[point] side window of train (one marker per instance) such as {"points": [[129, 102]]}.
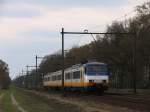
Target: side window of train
{"points": [[53, 78], [76, 75], [59, 77], [68, 76]]}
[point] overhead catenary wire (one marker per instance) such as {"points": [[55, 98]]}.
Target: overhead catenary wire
{"points": [[122, 18]]}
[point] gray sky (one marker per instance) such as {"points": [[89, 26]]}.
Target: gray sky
{"points": [[30, 27]]}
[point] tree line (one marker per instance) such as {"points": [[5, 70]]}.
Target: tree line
{"points": [[4, 75]]}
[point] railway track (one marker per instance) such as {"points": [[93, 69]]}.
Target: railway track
{"points": [[142, 100], [132, 97], [128, 97], [139, 103], [128, 101]]}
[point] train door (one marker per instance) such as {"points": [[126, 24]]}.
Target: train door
{"points": [[71, 76], [82, 76]]}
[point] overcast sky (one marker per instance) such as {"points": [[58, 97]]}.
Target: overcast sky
{"points": [[30, 27]]}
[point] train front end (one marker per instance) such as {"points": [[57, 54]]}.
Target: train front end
{"points": [[96, 76]]}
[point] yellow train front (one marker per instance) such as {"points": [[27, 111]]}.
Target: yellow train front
{"points": [[92, 76]]}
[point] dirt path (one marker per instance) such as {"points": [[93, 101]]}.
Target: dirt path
{"points": [[1, 96], [16, 104]]}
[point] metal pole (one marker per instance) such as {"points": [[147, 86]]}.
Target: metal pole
{"points": [[135, 63], [63, 64], [22, 79], [27, 77], [36, 82], [37, 75]]}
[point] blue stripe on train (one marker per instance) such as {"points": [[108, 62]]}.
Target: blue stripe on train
{"points": [[97, 74]]}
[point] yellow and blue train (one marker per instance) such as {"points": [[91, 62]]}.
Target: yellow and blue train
{"points": [[89, 76]]}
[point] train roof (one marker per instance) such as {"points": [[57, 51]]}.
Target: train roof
{"points": [[88, 63], [95, 63], [77, 66]]}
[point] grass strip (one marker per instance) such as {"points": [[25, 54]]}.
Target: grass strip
{"points": [[6, 102], [34, 103]]}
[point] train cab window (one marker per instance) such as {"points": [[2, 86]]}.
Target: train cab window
{"points": [[76, 75], [85, 69], [68, 76]]}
